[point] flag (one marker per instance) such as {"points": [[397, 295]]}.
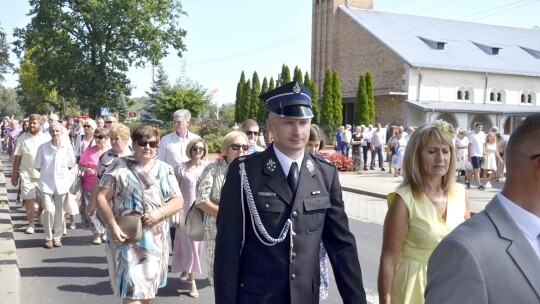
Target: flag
{"points": [[214, 91]]}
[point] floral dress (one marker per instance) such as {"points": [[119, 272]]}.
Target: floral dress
{"points": [[209, 190], [137, 270]]}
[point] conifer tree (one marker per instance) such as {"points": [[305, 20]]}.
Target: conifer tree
{"points": [[327, 111], [246, 104], [261, 115], [160, 85], [361, 103], [271, 84], [239, 97], [338, 103], [313, 87], [371, 98], [285, 76], [297, 75], [254, 97]]}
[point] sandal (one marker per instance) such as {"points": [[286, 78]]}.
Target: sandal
{"points": [[193, 292]]}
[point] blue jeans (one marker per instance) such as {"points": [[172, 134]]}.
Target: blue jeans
{"points": [[345, 148], [378, 151]]}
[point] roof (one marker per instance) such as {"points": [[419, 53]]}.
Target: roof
{"points": [[467, 46], [466, 107]]}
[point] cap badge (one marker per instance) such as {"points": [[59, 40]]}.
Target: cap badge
{"points": [[271, 165], [310, 167], [296, 89]]}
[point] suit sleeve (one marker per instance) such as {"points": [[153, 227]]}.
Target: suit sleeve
{"points": [[454, 275], [228, 239], [341, 247]]}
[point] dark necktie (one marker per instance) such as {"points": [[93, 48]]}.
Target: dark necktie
{"points": [[292, 178]]}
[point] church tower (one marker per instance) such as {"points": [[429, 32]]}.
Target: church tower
{"points": [[323, 33]]}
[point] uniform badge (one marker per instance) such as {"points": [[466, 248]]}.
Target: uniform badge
{"points": [[241, 158], [271, 165], [310, 166], [296, 89]]}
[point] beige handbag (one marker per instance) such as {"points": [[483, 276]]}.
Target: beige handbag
{"points": [[131, 225]]}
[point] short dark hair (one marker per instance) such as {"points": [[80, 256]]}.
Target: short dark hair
{"points": [[477, 124], [145, 132], [249, 123]]}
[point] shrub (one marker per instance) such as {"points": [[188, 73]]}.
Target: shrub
{"points": [[341, 162]]}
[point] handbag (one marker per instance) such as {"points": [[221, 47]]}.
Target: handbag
{"points": [[131, 225], [194, 223], [76, 186]]}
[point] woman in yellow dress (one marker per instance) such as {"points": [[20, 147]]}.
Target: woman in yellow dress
{"points": [[422, 211]]}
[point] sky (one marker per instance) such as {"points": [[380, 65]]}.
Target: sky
{"points": [[225, 38]]}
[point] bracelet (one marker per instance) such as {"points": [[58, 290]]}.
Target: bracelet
{"points": [[162, 214]]}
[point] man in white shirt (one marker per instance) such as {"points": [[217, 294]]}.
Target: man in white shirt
{"points": [[477, 151], [172, 147], [494, 257], [251, 128], [378, 139], [23, 167], [346, 137]]}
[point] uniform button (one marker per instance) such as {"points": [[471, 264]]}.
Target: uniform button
{"points": [[294, 214], [293, 255], [242, 285], [267, 206], [293, 276], [294, 235]]}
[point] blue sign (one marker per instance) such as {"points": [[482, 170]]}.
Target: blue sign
{"points": [[105, 112]]}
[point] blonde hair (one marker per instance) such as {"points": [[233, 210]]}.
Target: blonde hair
{"points": [[412, 175], [192, 143], [229, 139], [120, 131]]}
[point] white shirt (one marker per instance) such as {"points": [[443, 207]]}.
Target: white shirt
{"points": [[476, 141], [528, 223], [286, 162], [346, 136], [172, 148], [27, 146], [54, 165], [378, 138]]}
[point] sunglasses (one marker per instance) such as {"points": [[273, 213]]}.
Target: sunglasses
{"points": [[237, 147], [143, 143], [109, 121], [99, 137], [248, 133], [87, 126], [197, 149]]}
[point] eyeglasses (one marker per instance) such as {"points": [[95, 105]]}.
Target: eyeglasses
{"points": [[197, 149], [109, 121], [87, 126], [143, 143], [248, 133], [535, 156], [99, 137], [237, 147]]}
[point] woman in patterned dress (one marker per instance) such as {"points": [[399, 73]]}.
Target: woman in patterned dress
{"points": [[142, 185], [235, 144], [187, 254]]}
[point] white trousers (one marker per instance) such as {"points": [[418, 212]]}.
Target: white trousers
{"points": [[53, 215]]}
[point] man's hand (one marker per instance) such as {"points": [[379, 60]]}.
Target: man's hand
{"points": [[15, 179]]}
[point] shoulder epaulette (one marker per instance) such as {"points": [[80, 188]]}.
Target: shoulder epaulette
{"points": [[321, 158], [247, 157]]}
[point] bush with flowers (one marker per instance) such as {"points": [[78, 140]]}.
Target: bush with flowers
{"points": [[341, 162]]}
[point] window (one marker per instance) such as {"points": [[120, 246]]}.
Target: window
{"points": [[459, 95], [499, 97], [466, 95], [491, 96], [522, 98]]}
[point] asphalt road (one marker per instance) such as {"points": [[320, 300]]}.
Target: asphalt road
{"points": [[77, 272]]}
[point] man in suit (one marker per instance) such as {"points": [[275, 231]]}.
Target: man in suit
{"points": [[494, 257], [275, 208]]}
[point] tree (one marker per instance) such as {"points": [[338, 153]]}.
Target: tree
{"points": [[313, 87], [239, 97], [371, 98], [5, 65], [338, 103], [361, 116], [261, 115], [285, 76], [254, 97], [9, 104], [83, 49], [185, 94], [226, 114], [244, 109], [297, 75], [327, 105], [160, 85]]}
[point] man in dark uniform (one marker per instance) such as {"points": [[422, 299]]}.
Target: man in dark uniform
{"points": [[275, 208]]}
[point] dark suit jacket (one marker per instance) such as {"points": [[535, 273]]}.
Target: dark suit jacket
{"points": [[264, 274], [486, 259]]}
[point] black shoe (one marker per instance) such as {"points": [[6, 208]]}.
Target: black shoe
{"points": [[365, 168], [467, 185], [481, 187], [371, 168], [382, 169]]}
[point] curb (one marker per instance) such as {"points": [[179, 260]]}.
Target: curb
{"points": [[364, 192], [9, 269]]}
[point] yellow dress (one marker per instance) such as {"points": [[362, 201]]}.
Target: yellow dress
{"points": [[426, 229]]}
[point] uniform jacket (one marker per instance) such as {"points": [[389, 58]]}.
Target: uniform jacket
{"points": [[487, 259], [258, 273]]}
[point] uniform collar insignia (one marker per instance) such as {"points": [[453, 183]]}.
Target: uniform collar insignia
{"points": [[310, 166], [271, 165]]}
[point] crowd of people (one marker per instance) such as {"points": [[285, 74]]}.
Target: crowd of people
{"points": [[273, 215]]}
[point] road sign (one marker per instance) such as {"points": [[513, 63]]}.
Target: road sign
{"points": [[132, 114], [105, 112], [51, 108]]}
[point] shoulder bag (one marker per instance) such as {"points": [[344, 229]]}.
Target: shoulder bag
{"points": [[195, 218]]}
